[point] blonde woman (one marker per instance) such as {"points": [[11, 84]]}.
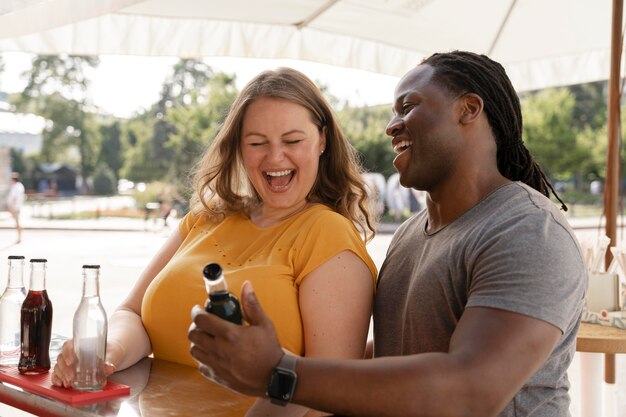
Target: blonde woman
{"points": [[280, 202]]}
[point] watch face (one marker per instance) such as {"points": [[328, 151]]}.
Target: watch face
{"points": [[282, 385]]}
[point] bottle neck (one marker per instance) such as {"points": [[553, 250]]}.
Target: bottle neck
{"points": [[16, 273], [216, 286], [91, 282], [37, 276]]}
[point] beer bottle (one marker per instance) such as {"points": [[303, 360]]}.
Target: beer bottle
{"points": [[36, 323], [10, 308], [220, 302], [90, 334]]}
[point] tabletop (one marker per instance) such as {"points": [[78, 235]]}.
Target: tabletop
{"points": [[158, 388], [600, 339], [595, 338]]}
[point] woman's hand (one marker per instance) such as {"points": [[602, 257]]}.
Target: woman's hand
{"points": [[64, 370]]}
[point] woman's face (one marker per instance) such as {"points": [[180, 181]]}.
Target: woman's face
{"points": [[280, 148]]}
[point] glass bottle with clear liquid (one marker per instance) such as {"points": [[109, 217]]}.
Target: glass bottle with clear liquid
{"points": [[220, 302], [90, 334], [36, 323], [10, 308]]}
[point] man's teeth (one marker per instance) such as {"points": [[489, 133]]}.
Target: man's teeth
{"points": [[279, 173], [401, 146]]}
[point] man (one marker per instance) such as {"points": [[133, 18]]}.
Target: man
{"points": [[479, 298], [15, 200]]}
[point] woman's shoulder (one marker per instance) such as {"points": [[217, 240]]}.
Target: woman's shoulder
{"points": [[322, 214]]}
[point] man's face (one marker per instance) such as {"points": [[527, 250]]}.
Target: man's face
{"points": [[424, 130]]}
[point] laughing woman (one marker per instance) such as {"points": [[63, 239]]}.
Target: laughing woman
{"points": [[280, 202]]}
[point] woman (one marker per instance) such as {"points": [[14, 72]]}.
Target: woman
{"points": [[278, 194]]}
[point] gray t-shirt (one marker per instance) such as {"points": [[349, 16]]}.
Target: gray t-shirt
{"points": [[514, 251]]}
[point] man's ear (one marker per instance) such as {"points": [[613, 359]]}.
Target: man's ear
{"points": [[471, 108]]}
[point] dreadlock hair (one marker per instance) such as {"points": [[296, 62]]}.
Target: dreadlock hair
{"points": [[466, 72]]}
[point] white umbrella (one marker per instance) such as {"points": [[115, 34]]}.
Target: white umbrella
{"points": [[541, 43]]}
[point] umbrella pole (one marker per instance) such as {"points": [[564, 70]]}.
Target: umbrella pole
{"points": [[611, 192]]}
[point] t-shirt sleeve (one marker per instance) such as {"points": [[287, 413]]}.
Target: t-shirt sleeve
{"points": [[531, 267], [186, 224], [326, 236]]}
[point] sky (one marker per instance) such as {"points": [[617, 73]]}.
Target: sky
{"points": [[125, 85]]}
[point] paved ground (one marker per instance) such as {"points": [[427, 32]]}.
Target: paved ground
{"points": [[123, 247]]}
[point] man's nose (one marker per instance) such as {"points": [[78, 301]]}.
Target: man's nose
{"points": [[394, 126]]}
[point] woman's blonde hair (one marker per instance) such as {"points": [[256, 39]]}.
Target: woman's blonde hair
{"points": [[222, 186]]}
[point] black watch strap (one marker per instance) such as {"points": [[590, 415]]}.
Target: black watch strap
{"points": [[282, 383]]}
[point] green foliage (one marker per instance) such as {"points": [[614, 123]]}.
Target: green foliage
{"points": [[138, 166], [58, 73], [56, 90], [111, 152], [104, 182], [197, 124], [365, 127], [549, 133], [591, 105]]}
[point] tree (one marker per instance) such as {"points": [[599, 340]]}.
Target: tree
{"points": [[197, 124], [591, 105], [57, 90], [157, 149], [138, 164], [104, 182], [111, 152], [365, 128], [549, 133]]}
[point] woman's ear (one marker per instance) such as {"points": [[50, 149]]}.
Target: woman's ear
{"points": [[323, 140], [471, 108]]}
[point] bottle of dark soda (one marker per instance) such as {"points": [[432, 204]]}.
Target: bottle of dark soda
{"points": [[36, 323], [220, 302]]}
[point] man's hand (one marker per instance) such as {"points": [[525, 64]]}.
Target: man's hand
{"points": [[238, 357]]}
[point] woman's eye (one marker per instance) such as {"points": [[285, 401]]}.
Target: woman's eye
{"points": [[293, 141]]}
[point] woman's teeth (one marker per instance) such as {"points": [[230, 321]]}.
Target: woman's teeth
{"points": [[278, 173]]}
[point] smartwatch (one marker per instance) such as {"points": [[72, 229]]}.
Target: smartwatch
{"points": [[283, 379]]}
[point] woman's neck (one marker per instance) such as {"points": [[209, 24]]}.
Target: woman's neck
{"points": [[263, 216]]}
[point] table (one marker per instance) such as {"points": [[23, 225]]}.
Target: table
{"points": [[158, 388], [602, 339], [590, 340]]}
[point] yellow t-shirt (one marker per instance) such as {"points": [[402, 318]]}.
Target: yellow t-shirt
{"points": [[275, 259]]}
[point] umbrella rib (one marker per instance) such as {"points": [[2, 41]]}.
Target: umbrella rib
{"points": [[506, 18], [315, 14]]}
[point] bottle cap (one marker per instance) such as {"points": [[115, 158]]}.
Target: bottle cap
{"points": [[212, 271], [39, 260], [91, 266]]}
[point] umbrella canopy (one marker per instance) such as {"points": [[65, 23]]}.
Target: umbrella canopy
{"points": [[540, 43]]}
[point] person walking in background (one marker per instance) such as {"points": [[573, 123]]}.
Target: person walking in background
{"points": [[480, 296], [15, 201]]}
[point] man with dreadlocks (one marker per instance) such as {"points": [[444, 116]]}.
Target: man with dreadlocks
{"points": [[479, 298]]}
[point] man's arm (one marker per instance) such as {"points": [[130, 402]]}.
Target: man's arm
{"points": [[492, 354]]}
